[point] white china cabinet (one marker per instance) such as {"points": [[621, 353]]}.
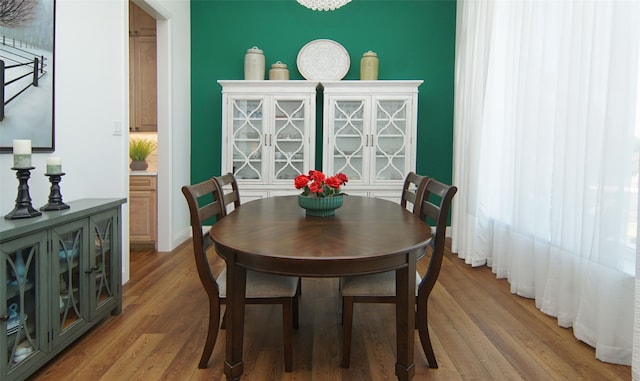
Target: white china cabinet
{"points": [[268, 134], [369, 133]]}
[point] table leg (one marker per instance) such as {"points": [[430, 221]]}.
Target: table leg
{"points": [[236, 285], [405, 319]]}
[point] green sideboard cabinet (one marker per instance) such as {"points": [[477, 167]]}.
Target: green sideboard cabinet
{"points": [[60, 274]]}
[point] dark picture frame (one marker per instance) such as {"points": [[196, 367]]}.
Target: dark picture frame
{"points": [[27, 46]]}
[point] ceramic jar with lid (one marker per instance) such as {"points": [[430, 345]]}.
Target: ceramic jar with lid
{"points": [[369, 66], [279, 71], [254, 66]]}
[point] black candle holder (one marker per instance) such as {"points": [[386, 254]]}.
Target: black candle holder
{"points": [[23, 208], [55, 197]]}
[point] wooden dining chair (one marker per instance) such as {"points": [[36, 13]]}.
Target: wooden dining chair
{"points": [[433, 207], [204, 201], [413, 191], [229, 191], [230, 194]]}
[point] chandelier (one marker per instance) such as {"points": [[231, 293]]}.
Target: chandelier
{"points": [[323, 5]]}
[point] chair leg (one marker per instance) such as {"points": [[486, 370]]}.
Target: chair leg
{"points": [[224, 320], [212, 334], [296, 312], [423, 330], [296, 304], [347, 323], [287, 323]]}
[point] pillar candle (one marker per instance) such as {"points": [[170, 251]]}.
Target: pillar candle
{"points": [[54, 165], [22, 153]]}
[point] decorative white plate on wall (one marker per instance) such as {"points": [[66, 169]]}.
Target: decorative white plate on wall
{"points": [[323, 60]]}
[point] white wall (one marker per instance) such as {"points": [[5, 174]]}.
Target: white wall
{"points": [[174, 118], [91, 94]]}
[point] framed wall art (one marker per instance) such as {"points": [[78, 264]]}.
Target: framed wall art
{"points": [[27, 39]]}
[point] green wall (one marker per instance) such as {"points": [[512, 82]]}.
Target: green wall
{"points": [[414, 39]]}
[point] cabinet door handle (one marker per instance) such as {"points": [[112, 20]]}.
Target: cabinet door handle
{"points": [[96, 268]]}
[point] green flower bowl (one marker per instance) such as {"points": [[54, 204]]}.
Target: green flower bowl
{"points": [[320, 206]]}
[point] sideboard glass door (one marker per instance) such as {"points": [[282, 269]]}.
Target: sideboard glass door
{"points": [[103, 262], [23, 337], [69, 255]]}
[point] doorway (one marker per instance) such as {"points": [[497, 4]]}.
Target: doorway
{"points": [[172, 165], [143, 124]]}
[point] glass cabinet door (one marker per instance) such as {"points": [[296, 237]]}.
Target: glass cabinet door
{"points": [[247, 132], [351, 140], [391, 140], [289, 138], [268, 133], [369, 133], [23, 335], [104, 261], [69, 243]]}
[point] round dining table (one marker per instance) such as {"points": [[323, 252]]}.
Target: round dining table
{"points": [[366, 235]]}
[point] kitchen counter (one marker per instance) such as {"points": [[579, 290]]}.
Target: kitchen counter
{"points": [[143, 173]]}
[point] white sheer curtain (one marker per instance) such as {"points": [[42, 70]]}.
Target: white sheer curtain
{"points": [[545, 157]]}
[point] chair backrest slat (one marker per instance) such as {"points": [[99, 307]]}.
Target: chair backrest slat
{"points": [[210, 210]]}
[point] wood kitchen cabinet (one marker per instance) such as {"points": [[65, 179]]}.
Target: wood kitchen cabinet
{"points": [[143, 207], [142, 71]]}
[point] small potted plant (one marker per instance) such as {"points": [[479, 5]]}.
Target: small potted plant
{"points": [[139, 150]]}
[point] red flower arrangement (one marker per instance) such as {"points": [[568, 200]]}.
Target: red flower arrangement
{"points": [[316, 184]]}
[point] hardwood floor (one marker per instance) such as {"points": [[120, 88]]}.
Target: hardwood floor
{"points": [[478, 333]]}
